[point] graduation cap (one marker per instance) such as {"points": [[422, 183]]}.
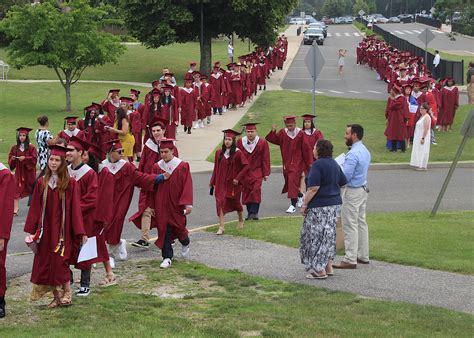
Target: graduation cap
{"points": [[90, 108], [167, 143], [230, 65], [78, 143], [397, 89], [155, 92], [230, 133], [23, 130], [196, 73], [96, 151], [308, 117], [113, 145], [58, 151], [135, 92], [168, 87], [155, 83], [114, 91], [192, 63], [126, 100], [289, 119], [250, 125], [158, 121], [188, 77]]}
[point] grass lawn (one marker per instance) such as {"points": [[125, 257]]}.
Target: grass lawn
{"points": [[191, 300], [22, 103], [411, 238], [455, 57], [333, 116], [139, 64]]}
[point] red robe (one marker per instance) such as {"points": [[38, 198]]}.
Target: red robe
{"points": [[187, 103], [25, 171], [67, 134], [201, 101], [311, 140], [109, 107], [433, 103], [7, 193], [49, 267], [258, 158], [294, 153], [235, 81], [171, 198], [228, 196], [88, 186], [147, 118], [136, 125], [396, 113], [217, 88], [89, 132], [126, 177], [449, 104], [150, 156], [103, 135]]}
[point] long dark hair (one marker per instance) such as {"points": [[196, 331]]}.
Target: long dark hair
{"points": [[164, 99], [232, 150], [122, 114], [93, 162], [88, 121], [312, 126], [63, 178], [27, 141], [152, 104]]}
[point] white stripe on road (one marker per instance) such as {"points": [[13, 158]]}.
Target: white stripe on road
{"points": [[356, 34], [398, 32], [408, 31], [417, 31], [374, 91], [338, 34], [354, 91], [335, 91], [347, 34], [329, 35], [435, 31]]}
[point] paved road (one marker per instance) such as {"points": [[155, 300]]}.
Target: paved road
{"points": [[390, 190], [410, 32]]}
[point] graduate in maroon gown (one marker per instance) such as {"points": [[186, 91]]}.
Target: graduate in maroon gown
{"points": [[169, 111], [201, 101], [111, 104], [7, 196], [126, 177], [187, 104], [87, 125], [311, 135], [216, 80], [294, 153], [22, 158], [54, 222], [235, 80], [104, 209], [144, 217], [88, 185], [397, 113], [71, 130], [152, 110], [206, 98], [449, 105], [257, 153], [228, 177], [173, 201]]}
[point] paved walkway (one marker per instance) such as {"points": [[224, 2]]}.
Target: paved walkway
{"points": [[377, 280]]}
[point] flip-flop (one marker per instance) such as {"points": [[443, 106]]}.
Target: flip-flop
{"points": [[330, 273], [315, 276]]}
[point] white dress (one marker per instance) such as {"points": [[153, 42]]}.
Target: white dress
{"points": [[420, 153], [341, 60]]}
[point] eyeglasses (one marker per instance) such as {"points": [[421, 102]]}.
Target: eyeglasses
{"points": [[118, 151]]}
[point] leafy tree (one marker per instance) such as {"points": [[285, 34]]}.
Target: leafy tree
{"points": [[360, 5], [161, 22], [334, 8], [64, 37]]}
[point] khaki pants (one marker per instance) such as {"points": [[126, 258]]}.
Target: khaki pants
{"points": [[356, 232], [146, 223], [470, 92]]}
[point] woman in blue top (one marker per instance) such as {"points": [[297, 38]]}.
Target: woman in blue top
{"points": [[321, 207]]}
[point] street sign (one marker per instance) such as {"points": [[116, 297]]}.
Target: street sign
{"points": [[314, 13], [467, 128], [426, 36], [361, 12], [314, 61], [302, 15], [423, 12]]}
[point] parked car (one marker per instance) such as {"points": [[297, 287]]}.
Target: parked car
{"points": [[405, 16], [382, 20], [327, 21], [313, 34], [394, 19], [297, 21], [320, 25]]}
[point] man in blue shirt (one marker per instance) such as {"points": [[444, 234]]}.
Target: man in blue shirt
{"points": [[354, 200]]}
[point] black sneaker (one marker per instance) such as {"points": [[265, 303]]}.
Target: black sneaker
{"points": [[141, 244], [2, 311], [83, 292]]}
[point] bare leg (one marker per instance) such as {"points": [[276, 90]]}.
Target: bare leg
{"points": [[221, 223], [17, 206], [302, 185], [240, 224]]}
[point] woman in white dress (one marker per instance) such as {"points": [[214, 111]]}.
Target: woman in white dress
{"points": [[342, 56], [420, 152]]}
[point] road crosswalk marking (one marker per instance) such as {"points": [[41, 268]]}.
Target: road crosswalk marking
{"points": [[354, 91], [417, 31], [398, 32], [347, 34], [329, 35], [411, 33], [338, 34], [335, 91], [356, 34]]}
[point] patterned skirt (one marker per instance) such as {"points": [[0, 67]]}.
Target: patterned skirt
{"points": [[318, 237]]}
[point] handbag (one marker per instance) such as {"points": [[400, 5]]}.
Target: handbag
{"points": [[33, 240]]}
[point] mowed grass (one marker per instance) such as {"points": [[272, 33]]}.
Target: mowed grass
{"points": [[138, 63], [333, 116], [411, 238], [455, 57], [22, 103], [191, 300]]}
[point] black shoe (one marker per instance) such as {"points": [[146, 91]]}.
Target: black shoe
{"points": [[185, 129], [249, 217], [189, 130], [2, 311], [255, 217], [141, 244], [264, 87], [220, 113], [83, 292]]}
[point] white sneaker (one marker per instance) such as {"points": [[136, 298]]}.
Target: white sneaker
{"points": [[201, 124], [123, 250], [300, 202], [224, 109], [291, 209], [185, 251], [166, 263], [195, 126], [112, 262]]}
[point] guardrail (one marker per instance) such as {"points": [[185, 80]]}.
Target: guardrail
{"points": [[428, 21]]}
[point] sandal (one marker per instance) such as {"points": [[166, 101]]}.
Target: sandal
{"points": [[54, 304], [109, 280], [220, 231], [313, 275], [66, 299]]}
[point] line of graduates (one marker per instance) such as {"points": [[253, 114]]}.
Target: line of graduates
{"points": [[410, 84]]}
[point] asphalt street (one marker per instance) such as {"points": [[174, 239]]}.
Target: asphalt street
{"points": [[411, 31], [356, 81], [390, 190]]}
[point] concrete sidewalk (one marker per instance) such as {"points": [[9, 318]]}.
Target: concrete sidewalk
{"points": [[378, 280]]}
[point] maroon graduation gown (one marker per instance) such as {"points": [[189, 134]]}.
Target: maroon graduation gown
{"points": [[25, 171], [201, 101], [171, 198], [7, 194], [126, 177], [66, 134], [311, 140], [449, 104], [294, 153], [396, 113], [258, 168], [217, 88], [49, 267], [187, 103], [228, 196]]}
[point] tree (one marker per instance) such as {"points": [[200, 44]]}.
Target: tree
{"points": [[360, 5], [65, 37], [334, 8], [161, 22]]}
